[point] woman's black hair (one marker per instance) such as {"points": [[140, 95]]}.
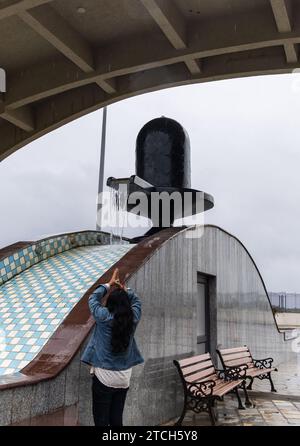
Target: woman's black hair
{"points": [[122, 327]]}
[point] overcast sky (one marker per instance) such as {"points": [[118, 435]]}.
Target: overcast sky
{"points": [[245, 152]]}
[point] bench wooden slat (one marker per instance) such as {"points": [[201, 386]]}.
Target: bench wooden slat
{"points": [[201, 375], [194, 359], [255, 371], [230, 386], [223, 387], [197, 367], [224, 384], [237, 356], [237, 362], [220, 384], [227, 351]]}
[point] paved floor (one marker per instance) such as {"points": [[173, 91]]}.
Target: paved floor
{"points": [[34, 303], [273, 412]]}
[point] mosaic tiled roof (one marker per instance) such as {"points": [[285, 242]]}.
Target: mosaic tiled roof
{"points": [[34, 303]]}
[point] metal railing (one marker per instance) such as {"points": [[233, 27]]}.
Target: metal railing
{"points": [[285, 301]]}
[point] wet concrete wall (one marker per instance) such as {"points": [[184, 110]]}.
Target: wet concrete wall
{"points": [[167, 286]]}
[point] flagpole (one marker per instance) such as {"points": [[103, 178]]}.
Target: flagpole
{"points": [[101, 170]]}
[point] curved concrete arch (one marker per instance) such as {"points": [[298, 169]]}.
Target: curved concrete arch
{"points": [[68, 64]]}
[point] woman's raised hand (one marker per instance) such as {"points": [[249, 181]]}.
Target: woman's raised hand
{"points": [[114, 278], [122, 285]]}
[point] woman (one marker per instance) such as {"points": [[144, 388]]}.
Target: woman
{"points": [[112, 350]]}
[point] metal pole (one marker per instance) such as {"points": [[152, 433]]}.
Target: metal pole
{"points": [[101, 170]]}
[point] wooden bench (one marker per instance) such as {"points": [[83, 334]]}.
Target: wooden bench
{"points": [[257, 368], [203, 384]]}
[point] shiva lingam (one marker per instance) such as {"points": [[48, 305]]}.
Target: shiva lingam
{"points": [[163, 168]]}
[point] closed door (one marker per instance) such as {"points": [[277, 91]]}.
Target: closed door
{"points": [[202, 316]]}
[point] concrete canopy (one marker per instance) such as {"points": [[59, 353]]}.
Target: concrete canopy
{"points": [[66, 58]]}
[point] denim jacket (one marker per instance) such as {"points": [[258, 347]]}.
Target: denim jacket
{"points": [[98, 352]]}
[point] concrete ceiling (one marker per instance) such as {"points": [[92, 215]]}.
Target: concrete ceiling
{"points": [[66, 58]]}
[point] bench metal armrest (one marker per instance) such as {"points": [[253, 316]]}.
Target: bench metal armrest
{"points": [[265, 363], [201, 388], [233, 373]]}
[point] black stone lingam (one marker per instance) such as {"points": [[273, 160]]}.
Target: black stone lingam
{"points": [[163, 165], [163, 154]]}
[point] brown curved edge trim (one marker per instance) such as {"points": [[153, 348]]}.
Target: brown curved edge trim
{"points": [[66, 341]]}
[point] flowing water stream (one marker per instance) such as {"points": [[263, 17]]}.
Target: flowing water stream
{"points": [[117, 215]]}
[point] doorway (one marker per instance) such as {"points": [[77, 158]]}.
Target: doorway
{"points": [[203, 314]]}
